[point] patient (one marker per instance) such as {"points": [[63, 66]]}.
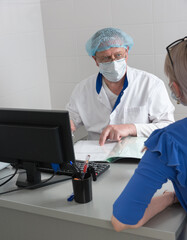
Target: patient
{"points": [[165, 157]]}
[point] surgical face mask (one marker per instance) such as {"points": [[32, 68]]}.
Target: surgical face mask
{"points": [[113, 71], [179, 101], [172, 93], [174, 97]]}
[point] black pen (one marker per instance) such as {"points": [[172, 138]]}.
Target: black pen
{"points": [[77, 171]]}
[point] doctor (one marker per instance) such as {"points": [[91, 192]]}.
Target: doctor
{"points": [[119, 100]]}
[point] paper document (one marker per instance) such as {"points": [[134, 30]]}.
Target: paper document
{"points": [[3, 165], [129, 147]]}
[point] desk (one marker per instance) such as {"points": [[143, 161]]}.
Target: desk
{"points": [[45, 213]]}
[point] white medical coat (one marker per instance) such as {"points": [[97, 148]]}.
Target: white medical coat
{"points": [[145, 103]]}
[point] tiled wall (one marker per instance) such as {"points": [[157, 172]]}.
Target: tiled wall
{"points": [[68, 24], [42, 42], [23, 69]]}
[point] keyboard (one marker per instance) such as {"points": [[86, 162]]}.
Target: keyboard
{"points": [[99, 167]]}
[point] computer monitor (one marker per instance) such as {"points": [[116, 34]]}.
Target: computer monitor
{"points": [[30, 139]]}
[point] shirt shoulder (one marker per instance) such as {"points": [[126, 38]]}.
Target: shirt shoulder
{"points": [[134, 74], [178, 128], [170, 143], [145, 84], [85, 85], [174, 132]]}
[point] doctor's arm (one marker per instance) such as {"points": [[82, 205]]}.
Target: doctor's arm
{"points": [[75, 119], [160, 114]]}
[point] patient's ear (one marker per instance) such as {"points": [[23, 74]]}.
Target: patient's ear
{"points": [[176, 89]]}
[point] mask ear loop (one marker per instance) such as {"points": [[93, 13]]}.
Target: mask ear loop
{"points": [[171, 87]]}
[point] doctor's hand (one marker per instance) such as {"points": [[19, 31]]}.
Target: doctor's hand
{"points": [[116, 132], [73, 128]]}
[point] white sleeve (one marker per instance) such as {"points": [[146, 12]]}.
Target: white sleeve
{"points": [[161, 111], [71, 107]]}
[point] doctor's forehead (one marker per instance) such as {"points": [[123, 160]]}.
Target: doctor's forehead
{"points": [[111, 51]]}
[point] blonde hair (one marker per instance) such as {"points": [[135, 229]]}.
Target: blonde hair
{"points": [[178, 72]]}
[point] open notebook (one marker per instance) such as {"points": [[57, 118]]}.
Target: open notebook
{"points": [[129, 147]]}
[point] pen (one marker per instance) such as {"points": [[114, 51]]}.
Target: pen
{"points": [[92, 172], [85, 166], [70, 198], [75, 168]]}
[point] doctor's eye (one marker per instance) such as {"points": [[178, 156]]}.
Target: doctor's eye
{"points": [[119, 56], [106, 59]]}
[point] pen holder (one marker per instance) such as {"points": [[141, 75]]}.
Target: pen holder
{"points": [[82, 188]]}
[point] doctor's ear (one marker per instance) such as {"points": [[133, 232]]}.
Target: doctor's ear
{"points": [[126, 53], [94, 57]]}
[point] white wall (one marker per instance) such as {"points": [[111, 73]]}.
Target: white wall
{"points": [[23, 69], [42, 44], [68, 24]]}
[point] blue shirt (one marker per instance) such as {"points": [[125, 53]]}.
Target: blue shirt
{"points": [[166, 158]]}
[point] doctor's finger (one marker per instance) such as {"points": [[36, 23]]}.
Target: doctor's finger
{"points": [[104, 136], [112, 135]]}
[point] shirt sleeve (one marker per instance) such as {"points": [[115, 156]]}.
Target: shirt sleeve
{"points": [[72, 108], [170, 152], [161, 111], [151, 173]]}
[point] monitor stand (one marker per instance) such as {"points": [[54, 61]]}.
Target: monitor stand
{"points": [[31, 179], [23, 183]]}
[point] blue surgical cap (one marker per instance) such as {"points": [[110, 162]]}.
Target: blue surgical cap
{"points": [[107, 38]]}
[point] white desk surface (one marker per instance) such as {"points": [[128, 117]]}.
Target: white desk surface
{"points": [[51, 201]]}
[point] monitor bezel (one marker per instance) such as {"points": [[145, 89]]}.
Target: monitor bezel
{"points": [[41, 117]]}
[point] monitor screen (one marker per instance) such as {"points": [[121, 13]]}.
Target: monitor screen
{"points": [[30, 139]]}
